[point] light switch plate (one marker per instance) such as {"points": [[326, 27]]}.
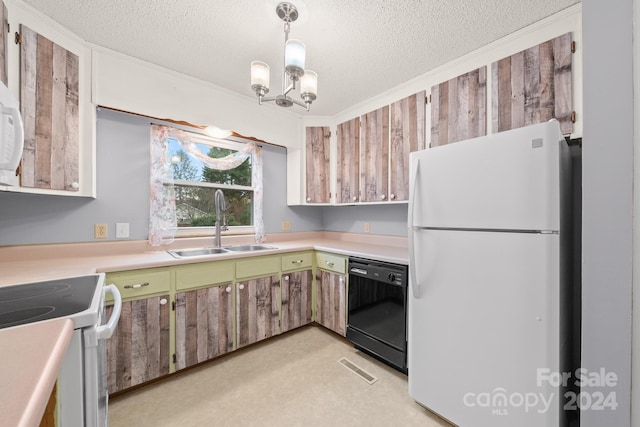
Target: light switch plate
{"points": [[122, 230]]}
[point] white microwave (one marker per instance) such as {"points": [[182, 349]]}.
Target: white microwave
{"points": [[11, 136]]}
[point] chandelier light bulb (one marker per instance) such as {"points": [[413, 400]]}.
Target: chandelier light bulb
{"points": [[309, 84], [260, 76], [294, 58]]}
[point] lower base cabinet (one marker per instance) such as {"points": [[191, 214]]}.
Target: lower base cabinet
{"points": [[297, 295], [257, 309], [217, 308], [49, 416], [138, 350], [331, 309], [204, 324]]}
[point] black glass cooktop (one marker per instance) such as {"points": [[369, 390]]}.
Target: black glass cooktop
{"points": [[33, 302]]}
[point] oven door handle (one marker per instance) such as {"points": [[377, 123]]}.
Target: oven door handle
{"points": [[105, 331]]}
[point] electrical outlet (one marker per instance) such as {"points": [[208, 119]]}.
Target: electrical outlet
{"points": [[100, 231], [286, 226], [367, 227], [122, 230]]}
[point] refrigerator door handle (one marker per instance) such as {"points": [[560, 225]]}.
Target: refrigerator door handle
{"points": [[413, 283]]}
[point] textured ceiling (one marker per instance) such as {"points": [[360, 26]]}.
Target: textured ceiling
{"points": [[359, 48]]}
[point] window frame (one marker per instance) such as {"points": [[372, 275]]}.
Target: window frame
{"points": [[231, 143]]}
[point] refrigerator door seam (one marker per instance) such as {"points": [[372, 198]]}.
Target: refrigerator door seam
{"points": [[486, 230]]}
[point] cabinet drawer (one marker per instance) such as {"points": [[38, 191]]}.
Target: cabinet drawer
{"points": [[132, 284], [297, 261], [209, 273], [331, 262], [260, 266]]}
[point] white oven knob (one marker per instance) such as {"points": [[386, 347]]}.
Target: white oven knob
{"points": [[163, 301], [228, 289]]}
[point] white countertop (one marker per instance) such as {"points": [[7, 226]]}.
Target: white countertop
{"points": [[23, 264]]}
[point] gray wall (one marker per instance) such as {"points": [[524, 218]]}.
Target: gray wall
{"points": [[383, 219], [123, 158], [122, 171], [607, 201], [123, 193]]}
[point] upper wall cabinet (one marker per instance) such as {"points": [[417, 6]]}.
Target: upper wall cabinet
{"points": [[459, 108], [407, 135], [374, 155], [3, 43], [372, 160], [49, 71], [533, 86], [529, 76], [49, 103], [317, 157], [348, 138]]}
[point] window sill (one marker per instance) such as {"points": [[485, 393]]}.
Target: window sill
{"points": [[211, 231]]}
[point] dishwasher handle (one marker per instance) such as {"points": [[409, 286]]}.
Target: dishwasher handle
{"points": [[105, 331]]}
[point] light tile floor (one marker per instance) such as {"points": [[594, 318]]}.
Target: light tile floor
{"points": [[292, 380]]}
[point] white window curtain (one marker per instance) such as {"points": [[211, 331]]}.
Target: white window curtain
{"points": [[162, 218]]}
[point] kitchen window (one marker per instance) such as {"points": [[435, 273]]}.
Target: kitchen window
{"points": [[186, 170]]}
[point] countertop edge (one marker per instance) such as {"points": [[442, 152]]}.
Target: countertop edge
{"points": [[29, 399]]}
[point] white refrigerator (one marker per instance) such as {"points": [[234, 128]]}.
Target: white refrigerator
{"points": [[489, 227]]}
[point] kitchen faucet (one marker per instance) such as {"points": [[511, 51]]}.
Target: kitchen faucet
{"points": [[219, 200]]}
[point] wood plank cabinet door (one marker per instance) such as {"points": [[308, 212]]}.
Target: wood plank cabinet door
{"points": [[317, 157], [459, 108], [138, 350], [533, 86], [204, 324], [296, 299], [331, 304], [374, 156], [49, 100], [348, 138], [407, 135], [4, 20], [257, 309]]}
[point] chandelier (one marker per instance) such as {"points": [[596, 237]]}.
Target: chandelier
{"points": [[294, 52]]}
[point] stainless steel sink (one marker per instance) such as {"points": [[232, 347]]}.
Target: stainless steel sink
{"points": [[184, 253], [247, 248]]}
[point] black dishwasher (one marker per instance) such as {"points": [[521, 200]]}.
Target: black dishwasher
{"points": [[377, 301]]}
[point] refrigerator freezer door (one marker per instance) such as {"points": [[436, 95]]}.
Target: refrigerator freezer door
{"points": [[485, 323], [508, 180]]}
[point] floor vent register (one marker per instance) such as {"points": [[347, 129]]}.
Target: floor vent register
{"points": [[361, 373]]}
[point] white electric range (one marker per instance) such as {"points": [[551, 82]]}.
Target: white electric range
{"points": [[82, 385]]}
